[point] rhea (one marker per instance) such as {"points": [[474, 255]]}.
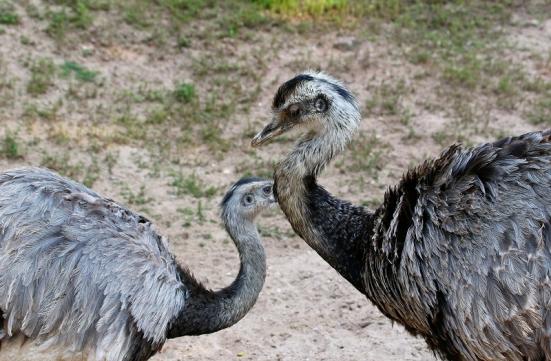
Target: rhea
{"points": [[459, 251], [82, 277]]}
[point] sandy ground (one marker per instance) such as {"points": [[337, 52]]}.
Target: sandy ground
{"points": [[306, 311]]}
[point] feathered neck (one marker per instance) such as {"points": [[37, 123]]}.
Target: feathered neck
{"points": [[344, 235], [314, 151], [209, 311], [335, 229]]}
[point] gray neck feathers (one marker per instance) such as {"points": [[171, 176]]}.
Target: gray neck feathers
{"points": [[308, 159], [314, 151], [207, 311], [295, 188], [237, 299]]}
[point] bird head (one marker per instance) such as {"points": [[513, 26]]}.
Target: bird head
{"points": [[247, 198], [311, 102]]}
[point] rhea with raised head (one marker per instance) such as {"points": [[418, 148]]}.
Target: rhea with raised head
{"points": [[459, 251]]}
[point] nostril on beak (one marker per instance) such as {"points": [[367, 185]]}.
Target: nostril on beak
{"points": [[265, 131], [258, 138], [271, 130]]}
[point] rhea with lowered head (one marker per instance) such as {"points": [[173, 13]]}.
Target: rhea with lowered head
{"points": [[82, 277], [459, 251]]}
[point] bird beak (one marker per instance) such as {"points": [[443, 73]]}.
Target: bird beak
{"points": [[272, 130]]}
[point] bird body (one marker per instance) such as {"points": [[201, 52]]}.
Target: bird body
{"points": [[82, 277], [458, 251], [468, 238]]}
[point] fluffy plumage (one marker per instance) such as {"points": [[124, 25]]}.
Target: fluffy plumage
{"points": [[458, 252], [85, 276], [463, 243]]}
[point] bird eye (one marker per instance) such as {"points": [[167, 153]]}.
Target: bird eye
{"points": [[248, 199], [320, 104], [267, 190], [294, 109]]}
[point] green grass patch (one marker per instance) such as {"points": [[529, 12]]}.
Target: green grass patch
{"points": [[540, 111], [451, 27], [192, 216], [176, 120], [8, 15], [45, 112], [537, 85], [342, 12], [10, 147], [58, 24], [135, 198], [86, 173], [79, 71], [225, 18], [244, 15], [64, 165], [42, 76], [70, 15], [133, 128], [158, 116], [461, 43], [458, 37], [191, 185], [185, 92], [386, 98], [465, 72], [368, 156], [301, 8]]}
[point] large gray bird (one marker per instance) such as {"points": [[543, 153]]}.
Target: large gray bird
{"points": [[82, 277], [459, 250]]}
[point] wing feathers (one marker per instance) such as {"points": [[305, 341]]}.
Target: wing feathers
{"points": [[79, 270]]}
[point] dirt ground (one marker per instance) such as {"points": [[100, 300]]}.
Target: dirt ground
{"points": [[306, 311]]}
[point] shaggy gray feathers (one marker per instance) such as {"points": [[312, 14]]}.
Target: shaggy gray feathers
{"points": [[80, 271], [476, 259]]}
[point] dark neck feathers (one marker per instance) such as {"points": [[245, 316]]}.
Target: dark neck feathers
{"points": [[209, 311], [365, 248], [335, 229]]}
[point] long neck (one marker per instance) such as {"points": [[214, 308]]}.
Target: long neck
{"points": [[335, 229], [365, 248], [208, 311], [347, 237]]}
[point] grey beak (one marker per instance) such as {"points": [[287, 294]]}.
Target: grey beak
{"points": [[270, 131]]}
